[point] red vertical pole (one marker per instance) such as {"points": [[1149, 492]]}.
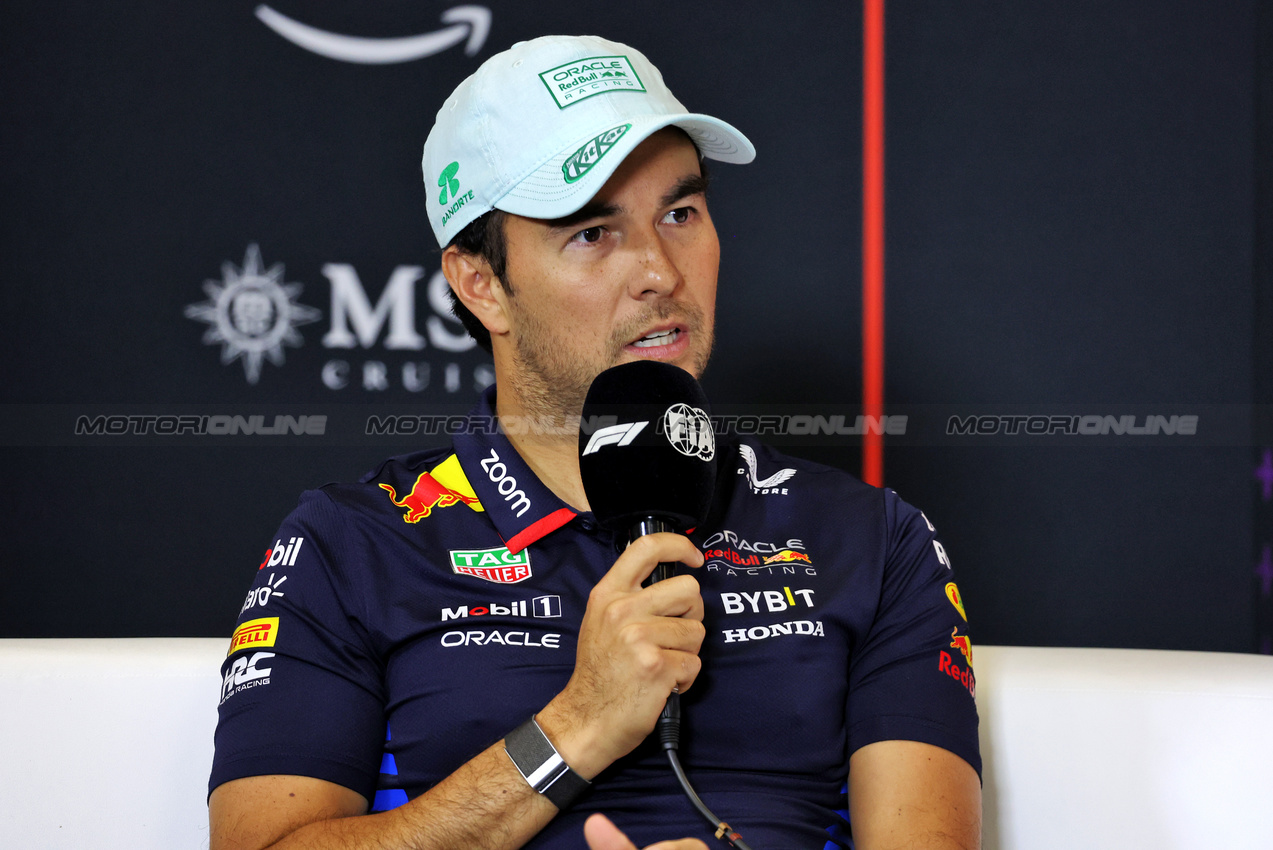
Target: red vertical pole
{"points": [[873, 238]]}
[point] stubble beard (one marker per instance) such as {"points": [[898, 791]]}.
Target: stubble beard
{"points": [[552, 384]]}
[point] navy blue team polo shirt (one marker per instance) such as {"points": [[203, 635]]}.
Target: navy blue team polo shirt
{"points": [[399, 626]]}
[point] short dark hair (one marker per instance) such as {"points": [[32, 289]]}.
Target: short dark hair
{"points": [[482, 237]]}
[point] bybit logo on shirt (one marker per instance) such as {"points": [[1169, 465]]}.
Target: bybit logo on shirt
{"points": [[772, 600]]}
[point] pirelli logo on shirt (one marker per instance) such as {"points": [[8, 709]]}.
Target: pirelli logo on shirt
{"points": [[254, 634]]}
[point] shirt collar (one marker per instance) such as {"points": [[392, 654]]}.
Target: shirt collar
{"points": [[522, 508]]}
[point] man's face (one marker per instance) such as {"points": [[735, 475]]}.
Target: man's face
{"points": [[632, 275]]}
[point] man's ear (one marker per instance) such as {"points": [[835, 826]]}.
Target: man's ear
{"points": [[476, 286]]}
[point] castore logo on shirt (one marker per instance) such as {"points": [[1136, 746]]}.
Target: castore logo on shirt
{"points": [[758, 486]]}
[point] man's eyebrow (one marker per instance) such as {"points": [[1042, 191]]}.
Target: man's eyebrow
{"points": [[588, 211], [694, 184]]}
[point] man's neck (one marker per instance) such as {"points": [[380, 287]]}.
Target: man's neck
{"points": [[544, 440]]}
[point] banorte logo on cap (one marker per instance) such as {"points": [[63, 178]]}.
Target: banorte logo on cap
{"points": [[451, 191]]}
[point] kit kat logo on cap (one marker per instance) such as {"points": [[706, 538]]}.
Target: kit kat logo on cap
{"points": [[581, 161], [574, 81]]}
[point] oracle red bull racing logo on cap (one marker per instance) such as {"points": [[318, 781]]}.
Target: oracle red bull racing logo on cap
{"points": [[570, 83], [498, 565], [426, 494]]}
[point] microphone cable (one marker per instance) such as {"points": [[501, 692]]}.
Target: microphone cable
{"points": [[670, 736], [669, 724]]}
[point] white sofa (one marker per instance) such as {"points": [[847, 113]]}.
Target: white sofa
{"points": [[106, 744]]}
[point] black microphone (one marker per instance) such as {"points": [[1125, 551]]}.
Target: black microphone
{"points": [[647, 456]]}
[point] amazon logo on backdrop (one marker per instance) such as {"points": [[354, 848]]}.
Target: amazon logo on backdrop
{"points": [[467, 24]]}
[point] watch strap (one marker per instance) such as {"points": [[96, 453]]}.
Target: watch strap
{"points": [[542, 766]]}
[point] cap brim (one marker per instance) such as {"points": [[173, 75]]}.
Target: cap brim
{"points": [[545, 193]]}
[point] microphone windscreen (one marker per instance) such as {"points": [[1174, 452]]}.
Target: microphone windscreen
{"points": [[646, 447]]}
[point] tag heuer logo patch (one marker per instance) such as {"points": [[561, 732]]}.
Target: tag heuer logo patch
{"points": [[497, 565], [574, 81], [581, 161]]}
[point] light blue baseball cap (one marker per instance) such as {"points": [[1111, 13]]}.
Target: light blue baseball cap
{"points": [[538, 129]]}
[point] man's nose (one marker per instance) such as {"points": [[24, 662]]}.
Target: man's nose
{"points": [[658, 272]]}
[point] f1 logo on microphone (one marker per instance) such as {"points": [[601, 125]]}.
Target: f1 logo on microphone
{"points": [[613, 435]]}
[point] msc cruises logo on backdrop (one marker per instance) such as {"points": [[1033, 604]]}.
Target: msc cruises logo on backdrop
{"points": [[469, 24], [252, 313]]}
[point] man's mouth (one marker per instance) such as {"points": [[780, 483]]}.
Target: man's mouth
{"points": [[658, 338]]}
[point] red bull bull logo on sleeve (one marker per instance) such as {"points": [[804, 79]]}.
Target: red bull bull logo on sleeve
{"points": [[441, 487], [961, 643]]}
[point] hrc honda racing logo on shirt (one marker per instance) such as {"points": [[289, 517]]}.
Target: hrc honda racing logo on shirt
{"points": [[246, 673]]}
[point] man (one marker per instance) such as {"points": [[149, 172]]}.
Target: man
{"points": [[456, 627]]}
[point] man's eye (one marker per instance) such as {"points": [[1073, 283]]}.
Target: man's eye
{"points": [[680, 215], [591, 234]]}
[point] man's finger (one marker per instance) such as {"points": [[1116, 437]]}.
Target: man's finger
{"points": [[678, 596], [638, 560], [601, 834]]}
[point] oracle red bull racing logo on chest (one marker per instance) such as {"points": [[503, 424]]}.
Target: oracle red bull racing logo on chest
{"points": [[426, 494], [498, 565]]}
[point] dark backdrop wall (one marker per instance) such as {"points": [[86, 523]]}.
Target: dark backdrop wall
{"points": [[206, 219]]}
